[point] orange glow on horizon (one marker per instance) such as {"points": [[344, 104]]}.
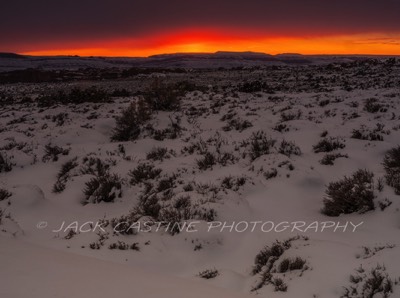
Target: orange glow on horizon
{"points": [[197, 41]]}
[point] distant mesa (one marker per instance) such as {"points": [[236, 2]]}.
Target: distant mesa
{"points": [[219, 54], [247, 53], [12, 56], [289, 55]]}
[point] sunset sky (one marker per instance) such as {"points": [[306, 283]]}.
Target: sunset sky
{"points": [[148, 27]]}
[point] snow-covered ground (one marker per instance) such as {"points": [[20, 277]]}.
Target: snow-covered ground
{"points": [[236, 203]]}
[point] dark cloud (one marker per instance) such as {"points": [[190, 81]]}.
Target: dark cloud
{"points": [[24, 22]]}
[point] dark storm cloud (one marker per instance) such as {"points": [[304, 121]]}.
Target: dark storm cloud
{"points": [[25, 22]]}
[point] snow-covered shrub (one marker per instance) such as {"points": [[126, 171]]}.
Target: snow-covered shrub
{"points": [[225, 158], [94, 166], [271, 173], [279, 285], [281, 127], [52, 152], [188, 187], [237, 124], [268, 255], [375, 134], [324, 102], [209, 273], [121, 245], [376, 283], [324, 134], [170, 211], [267, 265], [59, 186], [266, 278], [158, 153], [289, 116], [1, 215], [288, 264], [391, 164], [199, 147], [287, 164], [233, 183], [179, 210], [260, 145], [60, 118], [182, 209], [171, 132], [166, 183], [289, 148], [95, 245], [124, 224], [67, 167], [351, 194], [366, 135], [129, 123], [149, 205], [328, 145], [104, 188], [143, 172], [383, 204], [207, 161], [380, 184], [5, 164], [329, 159], [63, 175], [4, 194], [372, 105]]}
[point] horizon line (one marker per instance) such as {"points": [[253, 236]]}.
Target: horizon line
{"points": [[204, 53]]}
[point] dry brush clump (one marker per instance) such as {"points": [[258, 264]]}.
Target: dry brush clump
{"points": [[290, 116], [289, 148], [209, 273], [144, 172], [269, 265], [268, 255], [159, 154], [375, 134], [328, 145], [233, 183], [236, 123], [130, 123], [52, 152], [64, 174], [289, 264], [105, 188], [170, 211], [5, 164], [162, 96], [4, 194], [350, 194], [329, 159], [171, 132], [259, 144], [391, 164], [375, 283], [372, 105], [121, 245], [207, 161]]}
